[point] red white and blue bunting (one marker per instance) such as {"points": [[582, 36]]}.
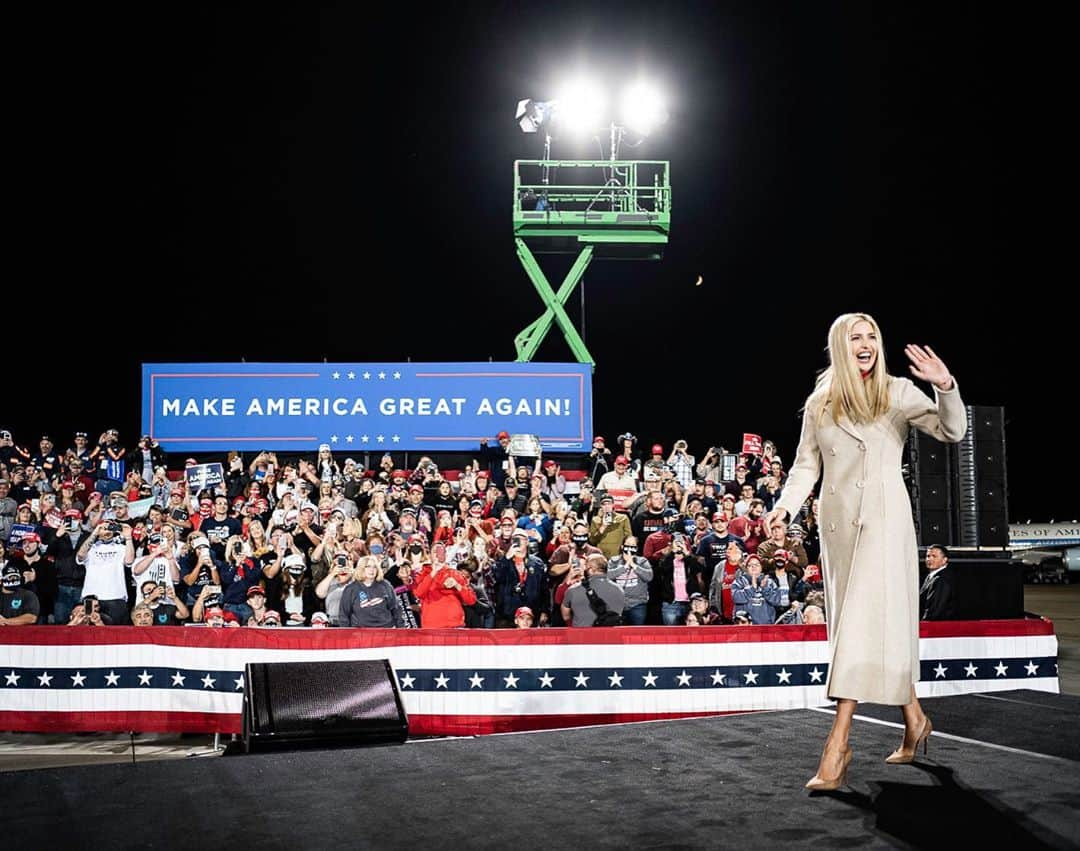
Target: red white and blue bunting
{"points": [[454, 682]]}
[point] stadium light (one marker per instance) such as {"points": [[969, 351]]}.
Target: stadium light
{"points": [[643, 108], [579, 108]]}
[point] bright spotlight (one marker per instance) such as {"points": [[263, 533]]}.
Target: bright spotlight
{"points": [[532, 114], [580, 107], [643, 108]]}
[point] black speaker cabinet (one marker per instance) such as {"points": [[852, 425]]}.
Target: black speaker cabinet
{"points": [[290, 705]]}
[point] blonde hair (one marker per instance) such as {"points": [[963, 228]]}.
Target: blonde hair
{"points": [[365, 562], [842, 390]]}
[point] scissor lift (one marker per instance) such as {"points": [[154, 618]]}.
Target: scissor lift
{"points": [[615, 209]]}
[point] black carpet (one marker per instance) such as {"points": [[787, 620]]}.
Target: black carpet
{"points": [[733, 782]]}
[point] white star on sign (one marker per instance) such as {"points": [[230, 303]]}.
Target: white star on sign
{"points": [[784, 676], [144, 678], [352, 375], [815, 675], [650, 679], [750, 677], [683, 678], [970, 669], [441, 680], [333, 438], [397, 375], [364, 438], [615, 679], [718, 678], [382, 375], [1001, 668], [78, 679], [112, 678], [511, 680], [239, 682], [939, 671], [13, 678], [178, 679], [1031, 668], [407, 681], [380, 439], [397, 438], [545, 681], [476, 680], [581, 680], [45, 679], [336, 376], [367, 375], [208, 681], [349, 438]]}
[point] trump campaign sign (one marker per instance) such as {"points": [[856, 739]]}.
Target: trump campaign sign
{"points": [[364, 406]]}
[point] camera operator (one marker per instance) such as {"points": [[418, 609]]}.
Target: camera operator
{"points": [[105, 552], [576, 609]]}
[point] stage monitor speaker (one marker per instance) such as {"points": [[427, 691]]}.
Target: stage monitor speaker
{"points": [[289, 705]]}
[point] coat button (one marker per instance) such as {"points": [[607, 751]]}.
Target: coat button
{"points": [[857, 521], [832, 488], [860, 484], [832, 451], [862, 447], [832, 527]]}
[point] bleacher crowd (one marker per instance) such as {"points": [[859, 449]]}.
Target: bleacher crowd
{"points": [[101, 534]]}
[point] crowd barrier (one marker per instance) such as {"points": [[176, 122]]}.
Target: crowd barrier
{"points": [[464, 682]]}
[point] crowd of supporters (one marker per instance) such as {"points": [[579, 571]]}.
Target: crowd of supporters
{"points": [[102, 534]]}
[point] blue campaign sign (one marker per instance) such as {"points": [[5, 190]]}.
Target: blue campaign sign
{"points": [[447, 407]]}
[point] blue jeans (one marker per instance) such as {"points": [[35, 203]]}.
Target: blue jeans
{"points": [[635, 615], [67, 598], [674, 614]]}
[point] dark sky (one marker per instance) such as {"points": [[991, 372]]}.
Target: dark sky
{"points": [[293, 185]]}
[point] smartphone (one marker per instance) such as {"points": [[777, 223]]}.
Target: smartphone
{"points": [[213, 589], [35, 505]]}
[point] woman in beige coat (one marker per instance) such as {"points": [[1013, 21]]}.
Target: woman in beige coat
{"points": [[855, 425]]}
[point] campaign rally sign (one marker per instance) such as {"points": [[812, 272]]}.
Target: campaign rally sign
{"points": [[751, 444], [365, 407], [202, 477], [18, 532]]}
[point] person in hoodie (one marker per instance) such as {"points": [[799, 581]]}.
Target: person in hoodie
{"points": [[755, 593], [443, 593], [369, 600]]}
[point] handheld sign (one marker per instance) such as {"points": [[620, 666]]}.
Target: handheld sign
{"points": [[751, 444]]}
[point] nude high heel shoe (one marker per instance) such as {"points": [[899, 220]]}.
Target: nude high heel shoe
{"points": [[818, 783], [903, 757]]}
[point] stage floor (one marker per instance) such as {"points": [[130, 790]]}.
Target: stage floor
{"points": [[1002, 769]]}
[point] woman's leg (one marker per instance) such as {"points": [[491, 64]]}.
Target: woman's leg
{"points": [[834, 755], [914, 719]]}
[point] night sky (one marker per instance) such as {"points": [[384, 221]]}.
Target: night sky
{"points": [[294, 185]]}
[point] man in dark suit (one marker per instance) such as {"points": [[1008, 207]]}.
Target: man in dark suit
{"points": [[937, 597]]}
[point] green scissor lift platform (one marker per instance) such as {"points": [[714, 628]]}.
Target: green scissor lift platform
{"points": [[615, 209]]}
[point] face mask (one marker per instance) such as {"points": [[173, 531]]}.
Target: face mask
{"points": [[376, 549], [581, 540], [415, 549]]}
